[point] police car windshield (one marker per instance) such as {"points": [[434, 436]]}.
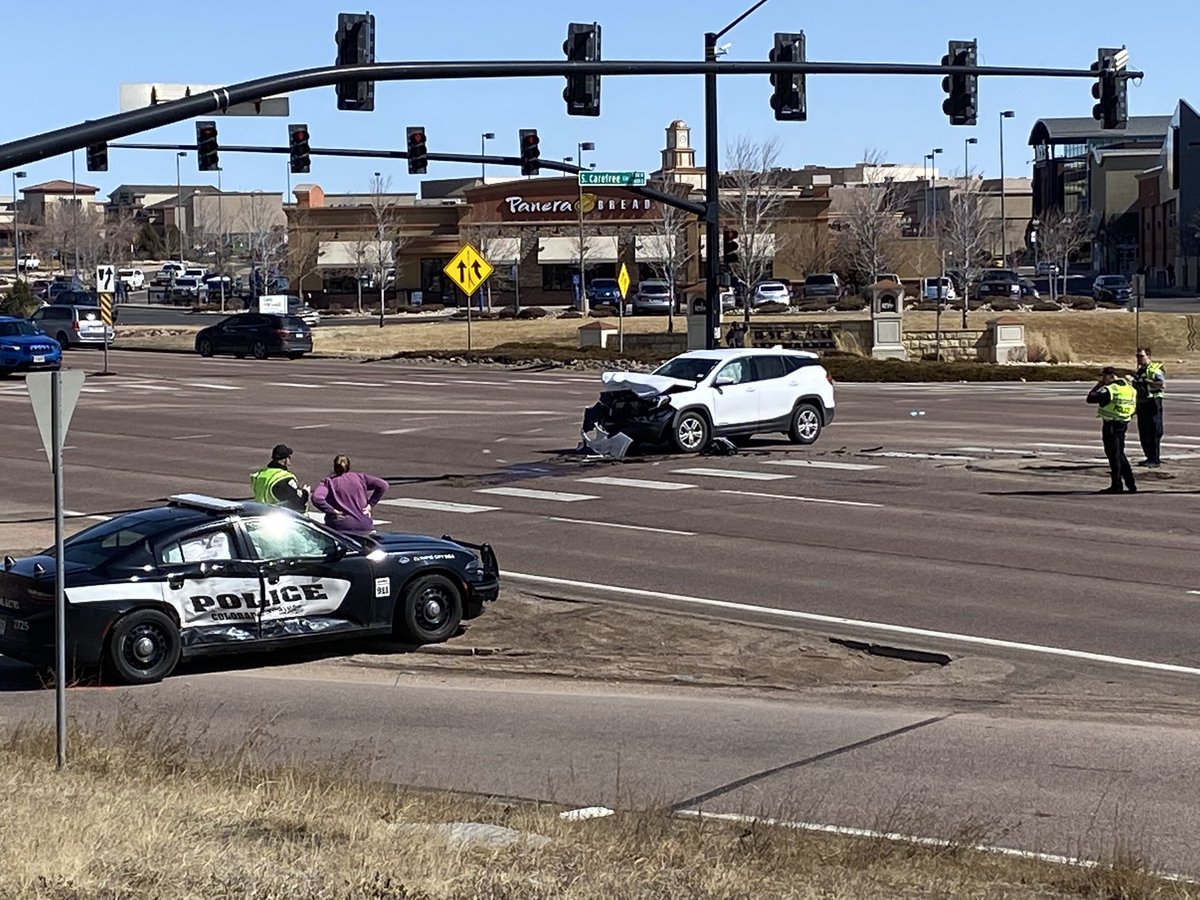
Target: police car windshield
{"points": [[102, 543]]}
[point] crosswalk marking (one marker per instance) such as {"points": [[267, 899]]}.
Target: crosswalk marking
{"points": [[823, 500], [638, 483], [437, 505], [905, 454], [821, 464], [532, 494], [621, 525], [732, 473], [213, 387], [999, 450]]}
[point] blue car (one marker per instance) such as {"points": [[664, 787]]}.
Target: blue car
{"points": [[24, 347]]}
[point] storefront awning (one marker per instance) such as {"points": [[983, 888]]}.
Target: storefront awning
{"points": [[761, 245], [656, 247], [351, 254], [503, 251], [560, 251]]}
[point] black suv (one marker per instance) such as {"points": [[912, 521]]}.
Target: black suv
{"points": [[256, 334]]}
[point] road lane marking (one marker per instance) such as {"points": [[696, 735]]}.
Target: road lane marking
{"points": [[621, 525], [732, 473], [763, 496], [1000, 450], [638, 483], [294, 384], [1068, 446], [884, 627], [214, 387], [369, 384], [190, 437], [821, 464], [308, 427], [531, 494], [906, 454], [437, 505], [401, 430]]}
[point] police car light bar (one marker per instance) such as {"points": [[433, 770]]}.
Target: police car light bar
{"points": [[200, 501]]}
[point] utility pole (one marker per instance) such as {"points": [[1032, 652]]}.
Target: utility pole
{"points": [[583, 298], [1005, 114]]}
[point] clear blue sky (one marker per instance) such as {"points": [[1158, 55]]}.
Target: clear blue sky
{"points": [[73, 71]]}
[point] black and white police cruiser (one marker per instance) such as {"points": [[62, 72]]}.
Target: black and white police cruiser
{"points": [[202, 575]]}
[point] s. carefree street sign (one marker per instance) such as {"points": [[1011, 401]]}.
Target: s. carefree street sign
{"points": [[613, 179]]}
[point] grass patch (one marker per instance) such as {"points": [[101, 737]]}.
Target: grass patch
{"points": [[141, 813]]}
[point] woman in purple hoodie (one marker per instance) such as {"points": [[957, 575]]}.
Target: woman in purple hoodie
{"points": [[346, 497]]}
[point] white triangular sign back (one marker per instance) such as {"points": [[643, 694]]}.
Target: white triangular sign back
{"points": [[38, 385]]}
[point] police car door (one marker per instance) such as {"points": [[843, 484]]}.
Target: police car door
{"points": [[306, 588], [216, 594]]}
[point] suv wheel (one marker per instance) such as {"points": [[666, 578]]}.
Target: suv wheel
{"points": [[63, 341], [258, 350], [205, 347], [806, 424], [690, 433]]}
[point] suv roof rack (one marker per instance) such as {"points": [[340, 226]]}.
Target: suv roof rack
{"points": [[210, 504]]}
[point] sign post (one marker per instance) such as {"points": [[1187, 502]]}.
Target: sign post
{"points": [[1138, 298], [53, 395], [623, 287], [105, 284], [469, 270]]}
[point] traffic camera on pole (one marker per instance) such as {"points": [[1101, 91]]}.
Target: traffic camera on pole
{"points": [[97, 157], [962, 102], [730, 252], [418, 152], [356, 47], [790, 100], [531, 151], [583, 91], [298, 149], [207, 157], [1111, 89]]}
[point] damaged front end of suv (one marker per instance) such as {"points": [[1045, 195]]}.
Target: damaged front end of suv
{"points": [[632, 408]]}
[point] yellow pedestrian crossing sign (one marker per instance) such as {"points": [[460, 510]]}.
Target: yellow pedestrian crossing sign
{"points": [[468, 269], [623, 281]]}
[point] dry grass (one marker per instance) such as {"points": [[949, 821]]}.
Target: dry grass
{"points": [[144, 813]]}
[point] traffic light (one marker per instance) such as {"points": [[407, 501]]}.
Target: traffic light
{"points": [[298, 149], [1110, 89], [356, 47], [97, 157], [583, 91], [207, 157], [962, 102], [730, 253], [790, 100], [531, 151], [418, 152]]}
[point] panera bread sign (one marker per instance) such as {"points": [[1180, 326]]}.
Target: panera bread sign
{"points": [[519, 208]]}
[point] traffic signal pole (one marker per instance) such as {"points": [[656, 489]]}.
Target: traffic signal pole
{"points": [[712, 200]]}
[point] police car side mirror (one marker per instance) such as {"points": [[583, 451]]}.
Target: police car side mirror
{"points": [[339, 551]]}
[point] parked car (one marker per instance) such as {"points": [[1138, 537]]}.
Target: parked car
{"points": [[74, 326], [63, 283], [188, 289], [256, 334], [708, 393], [603, 291], [1111, 288], [200, 575], [28, 262], [995, 283], [822, 285], [938, 289], [653, 296], [134, 279], [214, 284], [40, 289], [25, 347], [728, 298], [770, 292]]}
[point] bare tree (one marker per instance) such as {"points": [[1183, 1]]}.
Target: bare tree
{"points": [[303, 254], [752, 203], [1062, 235], [966, 232], [673, 253], [873, 220], [266, 239], [386, 240], [360, 252]]}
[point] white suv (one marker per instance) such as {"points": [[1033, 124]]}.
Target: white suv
{"points": [[717, 393]]}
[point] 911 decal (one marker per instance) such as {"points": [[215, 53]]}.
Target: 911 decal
{"points": [[383, 587]]}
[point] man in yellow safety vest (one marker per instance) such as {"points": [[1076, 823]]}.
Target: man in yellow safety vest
{"points": [[275, 484], [1117, 400], [1150, 383]]}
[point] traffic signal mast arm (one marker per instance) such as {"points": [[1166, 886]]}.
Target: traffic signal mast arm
{"points": [[74, 137]]}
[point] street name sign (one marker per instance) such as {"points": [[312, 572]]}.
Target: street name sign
{"points": [[613, 179]]}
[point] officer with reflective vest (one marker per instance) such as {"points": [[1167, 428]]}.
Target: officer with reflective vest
{"points": [[1117, 400], [1151, 384], [275, 484]]}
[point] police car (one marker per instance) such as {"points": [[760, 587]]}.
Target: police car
{"points": [[202, 575]]}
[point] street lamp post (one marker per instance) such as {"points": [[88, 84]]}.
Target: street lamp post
{"points": [[933, 183], [583, 299], [179, 205], [379, 234], [74, 214], [483, 139], [1004, 114], [221, 238], [16, 226], [967, 157]]}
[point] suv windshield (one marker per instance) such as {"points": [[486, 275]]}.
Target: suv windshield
{"points": [[686, 368], [16, 329], [604, 283], [653, 287], [819, 279]]}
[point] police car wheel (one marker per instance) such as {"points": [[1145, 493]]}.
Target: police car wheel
{"points": [[430, 611], [259, 350], [143, 647]]}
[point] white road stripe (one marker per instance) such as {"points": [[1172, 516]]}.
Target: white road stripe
{"points": [[294, 384], [308, 427], [153, 387], [732, 473], [94, 390], [803, 499], [1000, 450], [638, 483], [821, 464], [531, 494], [190, 437], [621, 525], [214, 387], [369, 384], [401, 430], [884, 627], [437, 505], [903, 454], [1068, 446]]}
